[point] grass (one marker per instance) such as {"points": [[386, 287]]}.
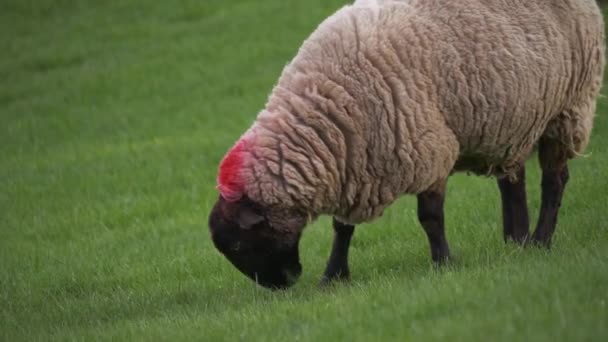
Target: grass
{"points": [[114, 117]]}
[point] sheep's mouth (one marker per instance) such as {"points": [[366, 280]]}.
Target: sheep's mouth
{"points": [[279, 279], [271, 272]]}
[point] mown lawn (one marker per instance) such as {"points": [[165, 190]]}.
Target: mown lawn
{"points": [[114, 116]]}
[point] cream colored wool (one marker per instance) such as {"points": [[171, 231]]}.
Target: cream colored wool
{"points": [[387, 98]]}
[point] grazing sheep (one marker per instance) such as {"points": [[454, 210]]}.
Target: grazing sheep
{"points": [[387, 98]]}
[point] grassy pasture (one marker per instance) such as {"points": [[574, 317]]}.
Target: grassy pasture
{"points": [[114, 116]]}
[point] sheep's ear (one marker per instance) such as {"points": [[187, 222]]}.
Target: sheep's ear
{"points": [[247, 218]]}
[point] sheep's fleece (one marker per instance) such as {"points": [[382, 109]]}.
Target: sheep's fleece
{"points": [[390, 97]]}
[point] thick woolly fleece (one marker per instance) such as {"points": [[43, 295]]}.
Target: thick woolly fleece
{"points": [[390, 97]]}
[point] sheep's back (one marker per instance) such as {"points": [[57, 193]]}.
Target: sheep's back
{"points": [[505, 73]]}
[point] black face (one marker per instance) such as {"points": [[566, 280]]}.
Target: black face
{"points": [[261, 245]]}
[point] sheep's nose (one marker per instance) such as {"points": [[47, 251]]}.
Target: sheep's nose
{"points": [[292, 275]]}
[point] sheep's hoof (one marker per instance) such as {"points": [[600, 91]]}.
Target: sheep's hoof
{"points": [[442, 258], [443, 261], [539, 243], [328, 280], [521, 240]]}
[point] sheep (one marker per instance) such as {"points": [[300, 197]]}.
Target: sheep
{"points": [[387, 98]]}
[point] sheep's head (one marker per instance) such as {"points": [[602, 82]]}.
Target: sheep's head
{"points": [[261, 242]]}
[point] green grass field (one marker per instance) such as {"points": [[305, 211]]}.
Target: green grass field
{"points": [[114, 117]]}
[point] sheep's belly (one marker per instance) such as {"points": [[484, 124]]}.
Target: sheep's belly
{"points": [[503, 160]]}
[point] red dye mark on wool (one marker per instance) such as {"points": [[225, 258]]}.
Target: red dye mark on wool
{"points": [[230, 180]]}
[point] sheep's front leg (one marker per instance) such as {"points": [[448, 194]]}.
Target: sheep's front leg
{"points": [[430, 214], [515, 219], [553, 161], [337, 266]]}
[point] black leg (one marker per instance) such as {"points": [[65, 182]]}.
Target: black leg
{"points": [[515, 219], [430, 214], [337, 266], [553, 160]]}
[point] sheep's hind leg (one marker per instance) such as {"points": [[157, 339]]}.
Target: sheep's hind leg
{"points": [[515, 219], [553, 157], [337, 266], [430, 215]]}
